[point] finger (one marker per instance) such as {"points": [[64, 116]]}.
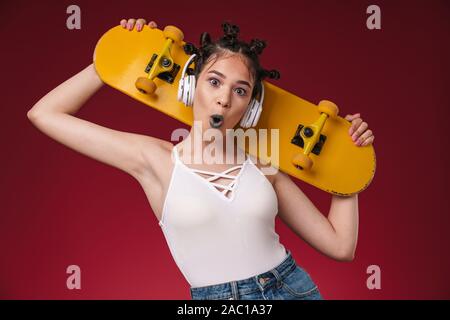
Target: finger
{"points": [[368, 141], [351, 117], [152, 24], [140, 24], [123, 23], [361, 128], [366, 135], [355, 124], [130, 24]]}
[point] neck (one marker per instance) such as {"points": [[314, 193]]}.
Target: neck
{"points": [[221, 148]]}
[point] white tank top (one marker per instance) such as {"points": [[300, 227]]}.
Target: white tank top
{"points": [[214, 238]]}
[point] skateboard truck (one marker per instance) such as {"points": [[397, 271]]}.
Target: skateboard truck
{"points": [[161, 65], [309, 137], [298, 140], [168, 76]]}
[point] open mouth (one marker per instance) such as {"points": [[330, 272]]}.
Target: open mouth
{"points": [[216, 120]]}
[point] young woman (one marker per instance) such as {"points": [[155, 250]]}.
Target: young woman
{"points": [[218, 221]]}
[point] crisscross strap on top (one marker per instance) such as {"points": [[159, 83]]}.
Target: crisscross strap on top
{"points": [[217, 175]]}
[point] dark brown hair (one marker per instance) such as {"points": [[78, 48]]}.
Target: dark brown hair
{"points": [[229, 42]]}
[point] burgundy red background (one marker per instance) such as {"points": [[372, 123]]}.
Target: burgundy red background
{"points": [[60, 208]]}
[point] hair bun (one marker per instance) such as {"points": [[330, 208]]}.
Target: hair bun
{"points": [[205, 39], [190, 49], [229, 42], [257, 46], [230, 31], [272, 74]]}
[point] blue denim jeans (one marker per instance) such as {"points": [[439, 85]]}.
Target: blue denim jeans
{"points": [[287, 281]]}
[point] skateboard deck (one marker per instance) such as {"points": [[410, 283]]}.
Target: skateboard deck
{"points": [[314, 144]]}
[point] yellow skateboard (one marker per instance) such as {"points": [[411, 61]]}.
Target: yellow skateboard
{"points": [[314, 144]]}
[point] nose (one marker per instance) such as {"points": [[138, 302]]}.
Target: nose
{"points": [[223, 100], [222, 103]]}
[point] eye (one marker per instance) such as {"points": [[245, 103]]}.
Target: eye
{"points": [[213, 81], [241, 91]]}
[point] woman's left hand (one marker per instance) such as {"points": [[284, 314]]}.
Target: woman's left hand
{"points": [[359, 131]]}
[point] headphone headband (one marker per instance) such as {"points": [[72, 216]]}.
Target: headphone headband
{"points": [[188, 62]]}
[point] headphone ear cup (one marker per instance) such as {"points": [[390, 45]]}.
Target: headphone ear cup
{"points": [[184, 85], [258, 115], [258, 106], [253, 113], [192, 90], [180, 90], [185, 90], [187, 84], [188, 91], [244, 121]]}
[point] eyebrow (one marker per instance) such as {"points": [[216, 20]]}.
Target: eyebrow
{"points": [[223, 76]]}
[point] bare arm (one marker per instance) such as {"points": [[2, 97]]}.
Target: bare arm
{"points": [[54, 116], [336, 236], [69, 96]]}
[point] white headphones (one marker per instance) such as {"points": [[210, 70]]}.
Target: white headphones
{"points": [[186, 92], [253, 112], [186, 86]]}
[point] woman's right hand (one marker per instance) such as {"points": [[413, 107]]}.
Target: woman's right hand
{"points": [[130, 23]]}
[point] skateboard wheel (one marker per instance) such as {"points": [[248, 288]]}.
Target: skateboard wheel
{"points": [[173, 33], [328, 108], [145, 85], [302, 161]]}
